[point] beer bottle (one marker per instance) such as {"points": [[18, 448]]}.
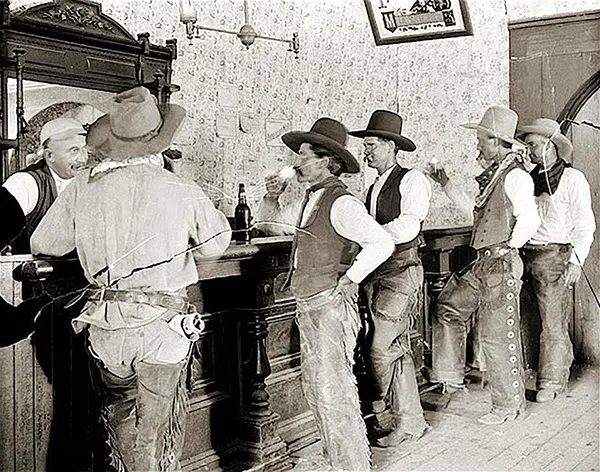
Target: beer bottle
{"points": [[243, 218]]}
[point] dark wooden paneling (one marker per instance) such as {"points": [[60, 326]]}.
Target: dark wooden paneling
{"points": [[562, 75], [7, 398]]}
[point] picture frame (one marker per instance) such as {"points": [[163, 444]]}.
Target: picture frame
{"points": [[400, 21]]}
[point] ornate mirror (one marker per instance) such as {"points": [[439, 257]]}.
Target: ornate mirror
{"points": [[57, 56]]}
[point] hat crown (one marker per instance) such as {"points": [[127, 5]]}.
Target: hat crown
{"points": [[547, 125], [332, 129], [384, 120], [60, 127], [134, 114], [500, 121]]}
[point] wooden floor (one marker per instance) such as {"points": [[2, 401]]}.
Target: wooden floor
{"points": [[562, 435]]}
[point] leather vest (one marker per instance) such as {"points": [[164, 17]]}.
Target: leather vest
{"points": [[493, 222], [47, 193], [389, 204], [322, 255]]}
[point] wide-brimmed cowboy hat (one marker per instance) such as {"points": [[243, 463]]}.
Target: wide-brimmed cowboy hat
{"points": [[328, 133], [498, 121], [551, 130], [388, 125], [135, 126]]}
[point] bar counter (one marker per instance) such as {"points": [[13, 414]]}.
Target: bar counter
{"points": [[246, 408]]}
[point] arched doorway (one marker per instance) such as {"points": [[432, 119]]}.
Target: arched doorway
{"points": [[554, 76], [582, 126]]}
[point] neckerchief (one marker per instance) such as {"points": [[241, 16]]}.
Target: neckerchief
{"points": [[547, 181], [484, 178], [107, 166], [490, 182]]}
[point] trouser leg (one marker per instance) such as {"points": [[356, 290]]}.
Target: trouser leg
{"points": [[455, 306], [553, 298], [328, 333], [500, 331], [119, 393], [394, 305], [157, 392]]}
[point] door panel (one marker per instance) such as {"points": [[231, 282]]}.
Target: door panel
{"points": [[551, 60], [586, 156]]}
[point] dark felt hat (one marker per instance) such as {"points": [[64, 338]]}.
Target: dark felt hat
{"points": [[388, 125], [329, 133]]}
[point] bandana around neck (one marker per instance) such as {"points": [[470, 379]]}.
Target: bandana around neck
{"points": [[484, 178], [547, 181]]}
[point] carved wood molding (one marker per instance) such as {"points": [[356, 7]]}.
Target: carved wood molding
{"points": [[77, 14]]}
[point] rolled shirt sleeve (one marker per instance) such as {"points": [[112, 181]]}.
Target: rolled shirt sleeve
{"points": [[350, 219], [275, 220], [518, 186], [459, 197], [23, 187], [416, 195], [213, 233]]}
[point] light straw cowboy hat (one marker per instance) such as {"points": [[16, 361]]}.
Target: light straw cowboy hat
{"points": [[500, 122], [135, 126], [551, 130], [388, 125], [328, 133]]}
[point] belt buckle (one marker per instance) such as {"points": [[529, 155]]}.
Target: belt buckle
{"points": [[102, 292]]}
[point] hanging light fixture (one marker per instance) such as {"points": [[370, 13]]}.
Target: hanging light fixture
{"points": [[246, 34]]}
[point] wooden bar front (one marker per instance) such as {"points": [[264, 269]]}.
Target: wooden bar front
{"points": [[246, 408]]}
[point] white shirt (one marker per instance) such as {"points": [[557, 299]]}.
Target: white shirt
{"points": [[567, 215], [416, 194], [518, 186], [23, 187], [349, 219]]}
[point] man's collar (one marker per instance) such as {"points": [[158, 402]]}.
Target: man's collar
{"points": [[57, 178]]}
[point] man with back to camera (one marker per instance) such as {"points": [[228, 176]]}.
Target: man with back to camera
{"points": [[132, 223], [336, 245], [505, 217], [399, 201]]}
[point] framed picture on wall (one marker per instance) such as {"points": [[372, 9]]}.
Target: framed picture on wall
{"points": [[400, 21]]}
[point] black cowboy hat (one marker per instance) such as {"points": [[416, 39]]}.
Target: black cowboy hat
{"points": [[388, 125], [330, 134]]}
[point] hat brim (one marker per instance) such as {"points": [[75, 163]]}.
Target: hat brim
{"points": [[110, 146], [503, 137], [403, 142], [293, 140], [563, 144]]}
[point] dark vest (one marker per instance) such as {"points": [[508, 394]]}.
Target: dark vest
{"points": [[47, 194], [322, 255], [388, 203], [494, 221]]}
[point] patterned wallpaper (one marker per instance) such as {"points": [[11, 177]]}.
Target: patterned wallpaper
{"points": [[236, 98]]}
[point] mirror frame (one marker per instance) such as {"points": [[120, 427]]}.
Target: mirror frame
{"points": [[71, 42]]}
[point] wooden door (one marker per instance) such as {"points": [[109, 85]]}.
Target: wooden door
{"points": [[555, 73]]}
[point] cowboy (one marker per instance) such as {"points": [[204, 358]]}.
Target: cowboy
{"points": [[399, 201], [554, 256], [504, 218], [27, 195], [336, 245], [132, 223]]}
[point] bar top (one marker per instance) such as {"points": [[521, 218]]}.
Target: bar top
{"points": [[236, 257]]}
